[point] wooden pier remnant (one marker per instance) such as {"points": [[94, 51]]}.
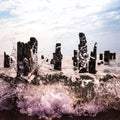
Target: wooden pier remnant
{"points": [[75, 58], [82, 53], [57, 57], [92, 61], [106, 56], [111, 56], [114, 56], [26, 57], [95, 50], [100, 56], [42, 56], [7, 60]]}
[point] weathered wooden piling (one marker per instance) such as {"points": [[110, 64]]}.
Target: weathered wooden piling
{"points": [[82, 53], [95, 50], [92, 64], [114, 55], [106, 56], [57, 57], [26, 57], [75, 59], [92, 61], [99, 63], [52, 60], [7, 60], [47, 60], [100, 56], [111, 56], [33, 44], [42, 56]]}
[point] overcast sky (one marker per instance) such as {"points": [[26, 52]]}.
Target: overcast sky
{"points": [[52, 21]]}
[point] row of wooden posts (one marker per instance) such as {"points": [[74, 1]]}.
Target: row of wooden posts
{"points": [[80, 58], [27, 57], [107, 56]]}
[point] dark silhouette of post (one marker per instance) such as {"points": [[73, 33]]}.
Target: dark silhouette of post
{"points": [[57, 57], [95, 50], [100, 56], [106, 56], [114, 56], [92, 61], [75, 58], [6, 60], [111, 56], [42, 56], [82, 53], [33, 45], [26, 57]]}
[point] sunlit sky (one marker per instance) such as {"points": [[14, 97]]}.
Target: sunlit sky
{"points": [[52, 21]]}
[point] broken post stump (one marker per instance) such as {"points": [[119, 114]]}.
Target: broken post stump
{"points": [[106, 56], [33, 44], [92, 61], [57, 57], [100, 56], [111, 56], [92, 64], [114, 56], [52, 61], [6, 60], [26, 57], [42, 56], [75, 59]]}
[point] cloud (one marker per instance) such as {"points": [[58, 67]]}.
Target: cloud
{"points": [[51, 19]]}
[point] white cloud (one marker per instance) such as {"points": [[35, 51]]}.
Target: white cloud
{"points": [[49, 19]]}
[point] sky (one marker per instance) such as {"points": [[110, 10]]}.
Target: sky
{"points": [[52, 21]]}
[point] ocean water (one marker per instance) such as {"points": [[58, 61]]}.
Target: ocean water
{"points": [[62, 95]]}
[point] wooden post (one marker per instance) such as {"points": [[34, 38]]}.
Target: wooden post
{"points": [[111, 56], [75, 59], [114, 55], [95, 50], [26, 57], [82, 53], [92, 61], [92, 64], [42, 56], [20, 58], [106, 56], [6, 60], [57, 57], [100, 56]]}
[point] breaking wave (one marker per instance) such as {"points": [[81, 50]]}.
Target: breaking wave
{"points": [[54, 100]]}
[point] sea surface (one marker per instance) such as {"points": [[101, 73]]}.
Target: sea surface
{"points": [[65, 95]]}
